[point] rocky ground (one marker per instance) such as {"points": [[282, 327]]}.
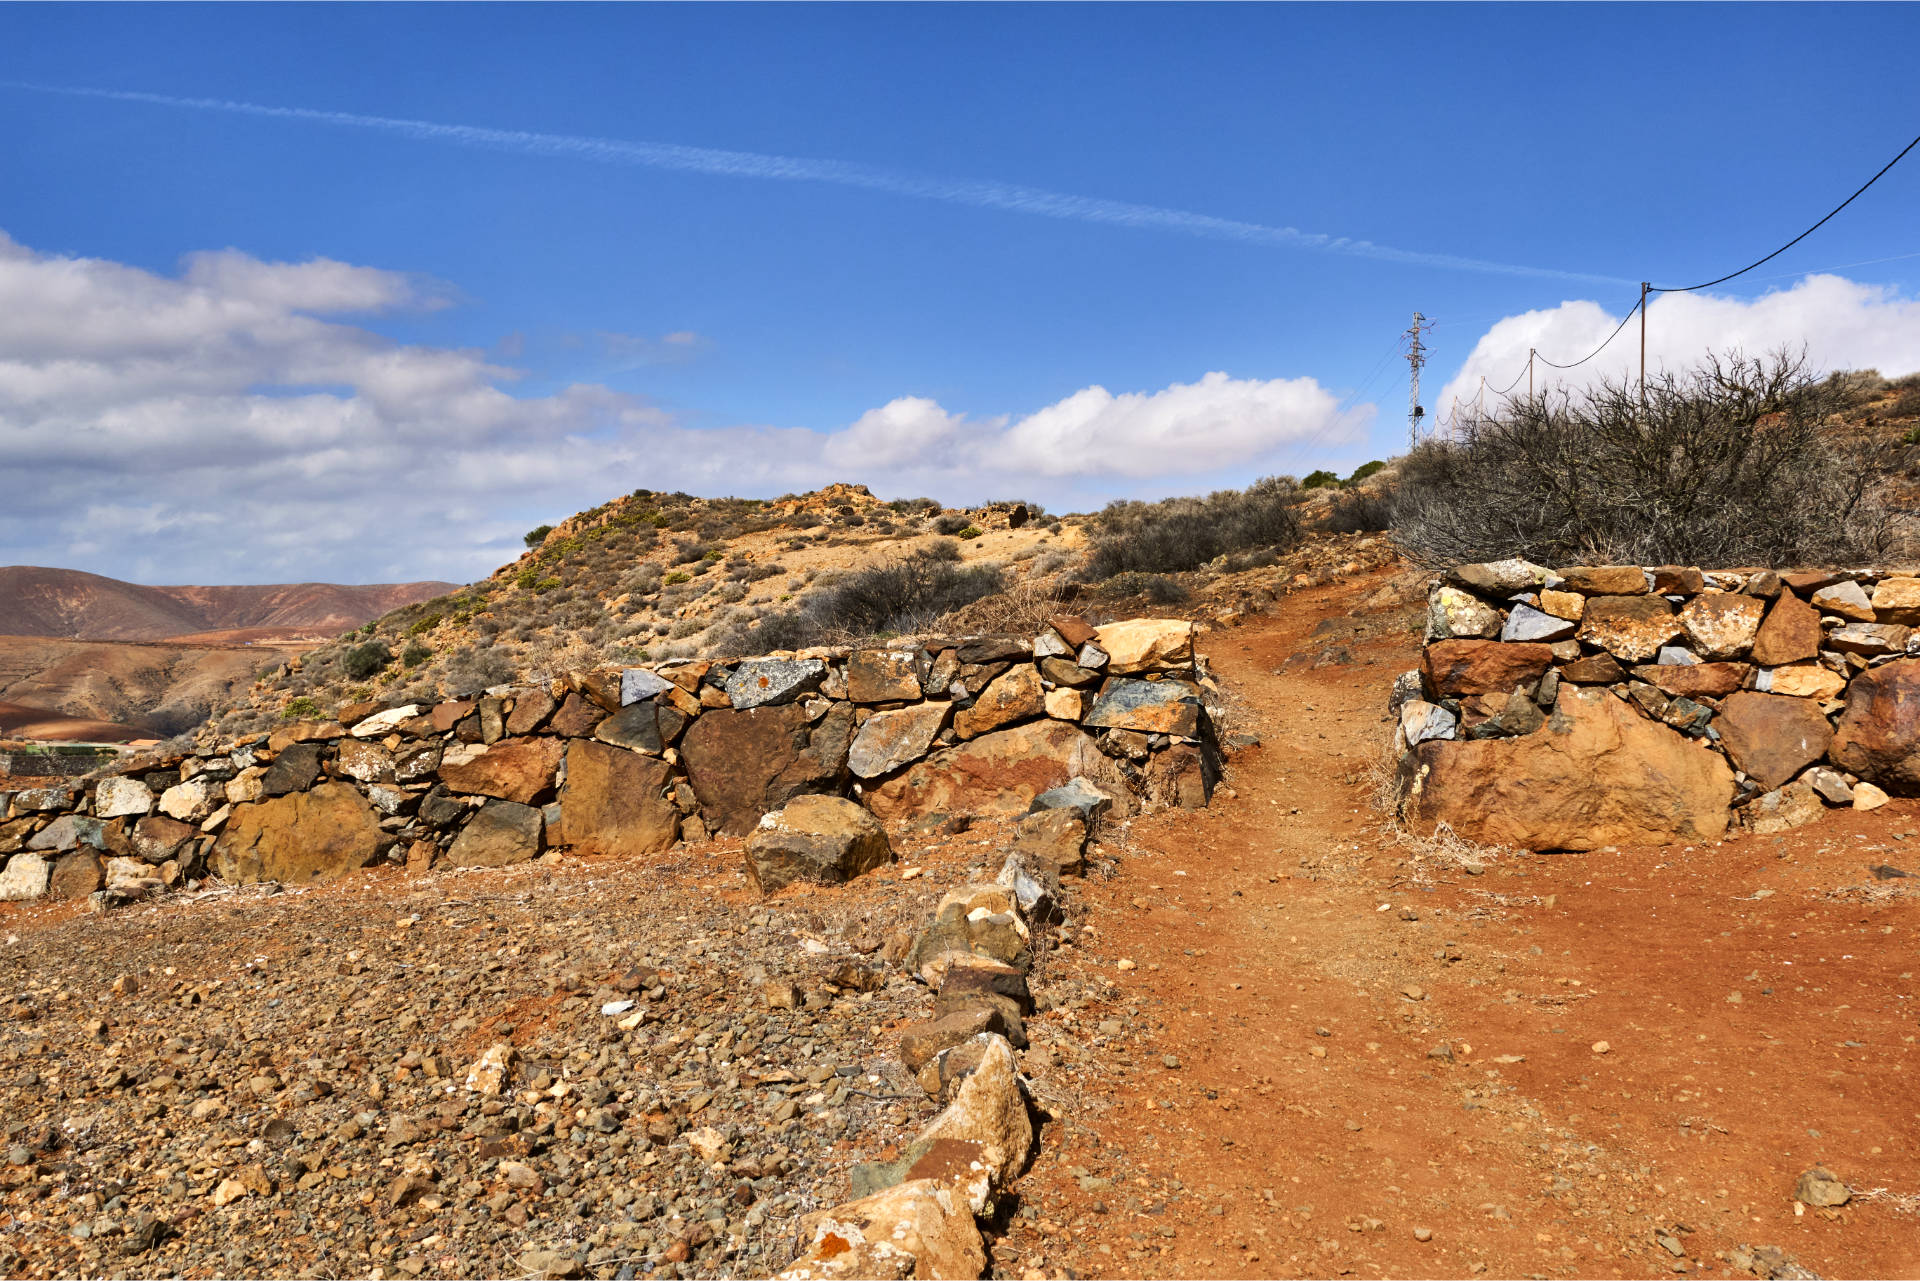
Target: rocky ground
{"points": [[1272, 1039]]}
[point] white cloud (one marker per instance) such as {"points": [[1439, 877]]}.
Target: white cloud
{"points": [[231, 423], [1842, 324]]}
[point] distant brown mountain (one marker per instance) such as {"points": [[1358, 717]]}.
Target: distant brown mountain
{"points": [[71, 604]]}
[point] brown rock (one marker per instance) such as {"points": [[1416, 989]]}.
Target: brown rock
{"points": [[1772, 737], [1015, 696], [158, 839], [1701, 680], [1721, 624], [998, 773], [1063, 671], [744, 762], [1677, 580], [823, 839], [1594, 669], [304, 732], [517, 769], [919, 1045], [576, 717], [531, 708], [304, 836], [1074, 630], [1605, 580], [1847, 599], [1790, 633], [1571, 606], [447, 715], [920, 1228], [883, 676], [1897, 600], [1596, 775], [1456, 668], [1805, 680], [1810, 580], [1878, 737], [76, 875], [501, 834], [1794, 805], [1055, 838], [1142, 644], [1179, 778], [1631, 628], [616, 801], [1869, 638], [1763, 583]]}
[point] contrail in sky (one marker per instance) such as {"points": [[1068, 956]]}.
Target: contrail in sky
{"points": [[749, 164]]}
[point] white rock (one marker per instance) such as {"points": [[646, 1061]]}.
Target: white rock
{"points": [[25, 877], [382, 723], [116, 797]]}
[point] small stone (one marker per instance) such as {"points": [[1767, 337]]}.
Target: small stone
{"points": [[1423, 1234], [1601, 1047], [1819, 1187], [1170, 1062], [1868, 797]]}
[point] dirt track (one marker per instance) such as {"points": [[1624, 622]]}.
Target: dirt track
{"points": [[1310, 975]]}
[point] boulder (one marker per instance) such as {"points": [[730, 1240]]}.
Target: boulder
{"points": [[70, 831], [1143, 644], [193, 800], [1150, 707], [824, 839], [1794, 805], [25, 878], [75, 876], [1868, 797], [1790, 633], [1178, 777], [996, 774], [1453, 614], [883, 675], [1596, 774], [888, 740], [1878, 736], [1897, 600], [1014, 696], [500, 834], [316, 835], [1802, 680], [368, 762], [742, 764], [1631, 628], [1605, 580], [1847, 599], [1499, 578], [1455, 669], [1771, 737], [157, 839], [294, 770], [1525, 623], [1721, 624], [989, 1111], [576, 717], [769, 682], [518, 769], [121, 797], [922, 1228], [616, 801]]}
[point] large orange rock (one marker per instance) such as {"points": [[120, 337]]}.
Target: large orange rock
{"points": [[1462, 668], [1878, 737], [998, 774], [300, 837], [1596, 774], [1014, 696], [518, 770], [615, 801], [1772, 737], [1631, 628], [1789, 634]]}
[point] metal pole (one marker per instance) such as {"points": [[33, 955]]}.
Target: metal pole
{"points": [[1416, 357]]}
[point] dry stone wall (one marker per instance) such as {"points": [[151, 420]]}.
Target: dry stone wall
{"points": [[1598, 705], [628, 761]]}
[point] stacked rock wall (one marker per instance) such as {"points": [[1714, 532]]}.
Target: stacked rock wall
{"points": [[629, 761], [1594, 705]]}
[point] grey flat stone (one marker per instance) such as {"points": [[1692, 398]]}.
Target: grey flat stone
{"points": [[637, 683], [763, 682]]}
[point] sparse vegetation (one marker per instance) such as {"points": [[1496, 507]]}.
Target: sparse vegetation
{"points": [[1320, 480], [362, 661], [1184, 533], [1731, 464], [537, 535]]}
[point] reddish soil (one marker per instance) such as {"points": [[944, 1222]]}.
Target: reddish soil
{"points": [[20, 721], [1309, 972]]}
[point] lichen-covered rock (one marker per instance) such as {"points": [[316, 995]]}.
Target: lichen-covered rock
{"points": [[883, 675], [1499, 577], [1596, 774], [990, 1111], [1150, 707], [25, 877], [923, 1228], [1453, 614], [1722, 625], [888, 740], [1794, 805], [1605, 580], [769, 682], [823, 839], [304, 836], [1631, 628], [122, 797]]}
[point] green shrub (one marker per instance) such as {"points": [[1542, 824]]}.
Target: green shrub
{"points": [[1320, 480], [425, 624], [971, 531], [1157, 588], [1365, 470], [362, 661], [537, 535], [300, 709], [675, 579], [415, 654]]}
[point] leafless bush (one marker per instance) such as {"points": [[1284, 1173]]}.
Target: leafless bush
{"points": [[1727, 465], [897, 596], [1360, 511], [1184, 533]]}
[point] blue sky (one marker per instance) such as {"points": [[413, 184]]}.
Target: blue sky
{"points": [[725, 333]]}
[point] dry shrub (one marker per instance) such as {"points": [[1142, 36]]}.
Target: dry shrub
{"points": [[1731, 464], [1185, 533]]}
